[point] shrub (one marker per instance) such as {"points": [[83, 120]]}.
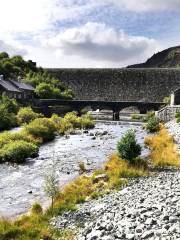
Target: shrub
{"points": [[153, 124], [7, 137], [17, 151], [36, 209], [41, 128], [7, 120], [178, 117], [149, 115], [26, 115], [87, 122], [62, 125], [10, 104], [128, 148], [73, 119], [82, 167], [137, 117], [167, 100]]}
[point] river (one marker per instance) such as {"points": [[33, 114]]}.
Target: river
{"points": [[22, 185]]}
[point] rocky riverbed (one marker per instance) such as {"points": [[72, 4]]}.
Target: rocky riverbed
{"points": [[149, 208]]}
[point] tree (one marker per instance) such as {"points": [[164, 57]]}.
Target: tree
{"points": [[44, 90], [51, 186], [128, 148]]}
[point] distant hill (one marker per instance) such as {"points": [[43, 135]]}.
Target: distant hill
{"points": [[168, 58]]}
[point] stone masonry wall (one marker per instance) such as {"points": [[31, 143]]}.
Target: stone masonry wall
{"points": [[120, 84]]}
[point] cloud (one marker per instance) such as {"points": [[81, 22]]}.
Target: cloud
{"points": [[98, 42], [36, 15], [145, 5], [11, 50]]}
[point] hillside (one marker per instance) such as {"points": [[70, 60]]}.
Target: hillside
{"points": [[168, 58]]}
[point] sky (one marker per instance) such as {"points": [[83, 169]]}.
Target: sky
{"points": [[88, 33]]}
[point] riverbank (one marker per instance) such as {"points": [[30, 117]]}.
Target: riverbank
{"points": [[22, 185], [149, 208]]}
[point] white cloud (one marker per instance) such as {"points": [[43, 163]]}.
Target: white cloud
{"points": [[11, 50], [35, 15], [100, 43], [145, 5]]}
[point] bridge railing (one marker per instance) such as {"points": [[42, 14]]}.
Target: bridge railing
{"points": [[168, 113]]}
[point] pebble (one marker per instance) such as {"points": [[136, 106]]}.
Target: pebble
{"points": [[149, 208]]}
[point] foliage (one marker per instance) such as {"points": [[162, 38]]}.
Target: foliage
{"points": [[63, 126], [12, 67], [26, 115], [36, 226], [178, 117], [8, 109], [82, 167], [36, 208], [73, 119], [46, 86], [51, 186], [43, 128], [149, 115], [15, 66], [17, 151], [163, 149], [87, 122], [137, 117], [7, 137], [153, 124], [167, 100], [128, 148], [7, 120], [10, 104], [117, 169]]}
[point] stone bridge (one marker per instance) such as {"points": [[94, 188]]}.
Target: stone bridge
{"points": [[149, 85], [115, 106]]}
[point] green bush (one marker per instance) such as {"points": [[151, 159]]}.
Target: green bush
{"points": [[87, 122], [153, 124], [178, 117], [72, 118], [17, 151], [7, 137], [36, 208], [26, 115], [149, 115], [8, 120], [63, 126], [43, 128], [10, 104], [128, 148], [137, 117]]}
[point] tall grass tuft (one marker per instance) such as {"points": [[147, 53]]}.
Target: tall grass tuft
{"points": [[163, 150]]}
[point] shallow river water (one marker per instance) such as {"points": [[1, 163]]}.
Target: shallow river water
{"points": [[21, 185]]}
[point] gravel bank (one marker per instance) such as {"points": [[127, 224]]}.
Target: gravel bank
{"points": [[147, 209], [174, 129]]}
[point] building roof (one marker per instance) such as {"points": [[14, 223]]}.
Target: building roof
{"points": [[22, 86], [9, 86]]}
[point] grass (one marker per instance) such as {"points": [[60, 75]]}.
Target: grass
{"points": [[163, 150], [36, 224]]}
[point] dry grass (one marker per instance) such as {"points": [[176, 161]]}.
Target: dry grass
{"points": [[118, 169], [163, 150], [36, 225]]}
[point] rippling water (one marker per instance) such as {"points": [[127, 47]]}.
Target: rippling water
{"points": [[22, 185]]}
